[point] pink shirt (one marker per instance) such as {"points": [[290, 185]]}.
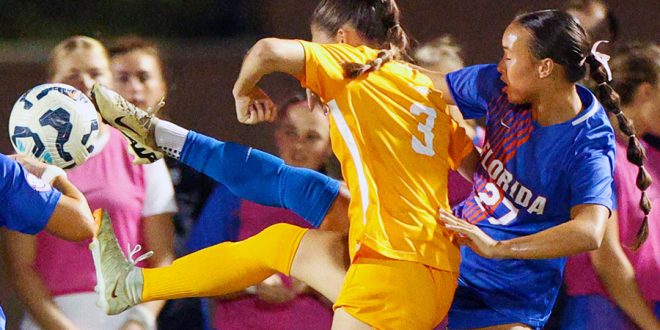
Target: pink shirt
{"points": [[580, 276], [110, 181], [304, 312], [459, 188]]}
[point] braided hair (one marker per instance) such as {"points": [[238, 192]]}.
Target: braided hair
{"points": [[558, 36], [377, 20], [636, 64]]}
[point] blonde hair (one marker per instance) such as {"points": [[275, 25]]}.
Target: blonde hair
{"points": [[440, 54], [70, 45]]}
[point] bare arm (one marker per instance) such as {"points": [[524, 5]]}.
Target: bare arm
{"points": [[439, 83], [20, 253], [618, 277], [581, 234], [72, 219], [266, 56]]}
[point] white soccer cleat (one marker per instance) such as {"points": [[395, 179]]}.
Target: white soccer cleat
{"points": [[118, 280], [135, 123]]}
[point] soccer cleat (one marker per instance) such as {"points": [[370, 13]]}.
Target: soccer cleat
{"points": [[118, 280], [135, 123]]}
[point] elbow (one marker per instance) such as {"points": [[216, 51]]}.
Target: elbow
{"points": [[85, 227], [589, 225], [266, 51], [88, 228], [593, 239], [593, 243]]}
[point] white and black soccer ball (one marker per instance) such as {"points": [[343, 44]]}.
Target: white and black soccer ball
{"points": [[56, 123]]}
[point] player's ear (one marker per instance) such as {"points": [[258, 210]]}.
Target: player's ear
{"points": [[545, 68], [341, 36]]}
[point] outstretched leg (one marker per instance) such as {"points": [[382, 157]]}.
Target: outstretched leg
{"points": [[315, 257], [248, 173]]}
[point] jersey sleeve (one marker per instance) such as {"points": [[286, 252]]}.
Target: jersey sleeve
{"points": [[159, 191], [460, 145], [592, 180], [27, 202], [323, 73], [473, 88]]}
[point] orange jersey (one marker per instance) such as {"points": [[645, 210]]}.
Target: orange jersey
{"points": [[396, 142]]}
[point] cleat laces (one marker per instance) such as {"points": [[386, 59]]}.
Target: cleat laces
{"points": [[137, 248]]}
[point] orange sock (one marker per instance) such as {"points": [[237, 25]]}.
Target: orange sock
{"points": [[226, 267]]}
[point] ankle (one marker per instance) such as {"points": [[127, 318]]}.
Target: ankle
{"points": [[135, 285], [169, 137]]}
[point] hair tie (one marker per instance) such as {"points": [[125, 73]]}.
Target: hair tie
{"points": [[584, 59], [618, 114], [602, 59], [377, 62]]}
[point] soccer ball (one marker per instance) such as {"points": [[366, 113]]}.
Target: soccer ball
{"points": [[55, 123]]}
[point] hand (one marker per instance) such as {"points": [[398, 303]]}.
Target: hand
{"points": [[255, 107], [31, 164], [273, 291], [471, 235], [131, 325]]}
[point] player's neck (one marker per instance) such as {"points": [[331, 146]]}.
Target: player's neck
{"points": [[556, 105]]}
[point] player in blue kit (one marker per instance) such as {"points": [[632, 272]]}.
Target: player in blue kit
{"points": [[35, 196], [543, 186]]}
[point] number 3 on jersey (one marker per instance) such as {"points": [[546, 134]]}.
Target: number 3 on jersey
{"points": [[426, 147]]}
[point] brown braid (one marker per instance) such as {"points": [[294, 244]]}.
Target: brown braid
{"points": [[380, 25], [610, 100], [354, 70]]}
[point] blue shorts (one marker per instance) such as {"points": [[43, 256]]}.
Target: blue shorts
{"points": [[596, 312], [469, 311]]}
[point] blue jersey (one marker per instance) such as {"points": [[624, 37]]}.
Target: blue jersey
{"points": [[26, 202], [528, 179]]}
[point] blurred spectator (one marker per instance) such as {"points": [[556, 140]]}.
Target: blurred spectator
{"points": [[139, 76], [55, 279], [280, 302], [596, 18], [612, 273], [442, 54]]}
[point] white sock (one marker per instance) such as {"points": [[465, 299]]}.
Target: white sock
{"points": [[170, 138], [135, 283]]}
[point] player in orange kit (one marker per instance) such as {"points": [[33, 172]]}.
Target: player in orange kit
{"points": [[393, 135]]}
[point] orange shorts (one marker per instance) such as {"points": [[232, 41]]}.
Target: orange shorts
{"points": [[395, 294]]}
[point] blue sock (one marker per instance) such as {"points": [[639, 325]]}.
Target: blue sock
{"points": [[260, 177]]}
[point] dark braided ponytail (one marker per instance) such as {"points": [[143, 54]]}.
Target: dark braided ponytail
{"points": [[377, 21], [611, 101], [558, 36], [634, 65]]}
